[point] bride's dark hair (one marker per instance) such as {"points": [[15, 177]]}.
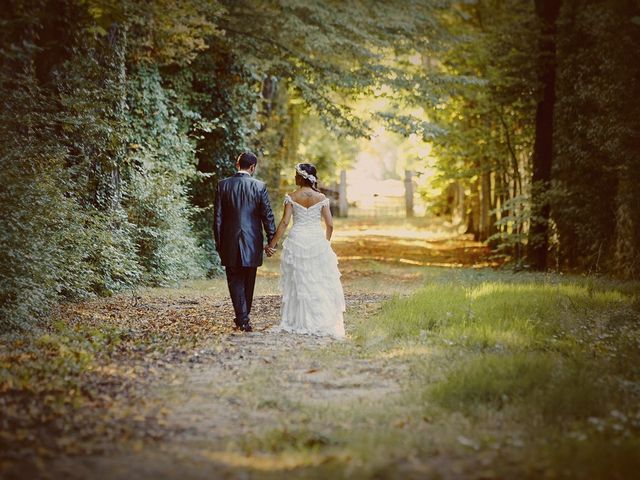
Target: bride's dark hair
{"points": [[310, 169]]}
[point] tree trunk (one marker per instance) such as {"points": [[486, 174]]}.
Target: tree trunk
{"points": [[485, 205], [496, 204], [504, 196], [474, 218], [408, 193], [626, 247], [343, 204], [458, 205], [547, 11]]}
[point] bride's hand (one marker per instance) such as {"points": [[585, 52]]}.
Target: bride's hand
{"points": [[270, 250]]}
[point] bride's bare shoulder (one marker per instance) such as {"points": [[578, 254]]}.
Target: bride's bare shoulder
{"points": [[293, 195], [306, 198]]}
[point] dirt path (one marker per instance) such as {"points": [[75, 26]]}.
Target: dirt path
{"points": [[238, 405], [238, 387], [157, 385]]}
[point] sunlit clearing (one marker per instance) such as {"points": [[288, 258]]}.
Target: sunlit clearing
{"points": [[389, 168], [546, 292]]}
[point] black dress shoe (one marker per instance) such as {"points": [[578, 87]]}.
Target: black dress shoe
{"points": [[246, 327]]}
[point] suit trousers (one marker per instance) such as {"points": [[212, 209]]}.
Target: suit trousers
{"points": [[241, 281]]}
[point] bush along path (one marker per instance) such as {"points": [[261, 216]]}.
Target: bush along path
{"points": [[446, 372]]}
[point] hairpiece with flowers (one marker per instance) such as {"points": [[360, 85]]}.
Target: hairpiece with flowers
{"points": [[305, 174]]}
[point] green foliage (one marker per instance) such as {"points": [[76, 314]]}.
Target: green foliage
{"points": [[594, 207], [489, 130], [487, 119], [62, 232], [91, 94], [160, 163], [319, 49], [222, 95], [81, 213], [328, 151]]}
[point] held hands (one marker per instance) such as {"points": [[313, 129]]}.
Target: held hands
{"points": [[270, 249]]}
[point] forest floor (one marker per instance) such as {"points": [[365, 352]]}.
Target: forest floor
{"points": [[452, 368]]}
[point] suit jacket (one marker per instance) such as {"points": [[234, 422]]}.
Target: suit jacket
{"points": [[242, 210]]}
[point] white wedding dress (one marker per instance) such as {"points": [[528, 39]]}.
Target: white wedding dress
{"points": [[312, 295]]}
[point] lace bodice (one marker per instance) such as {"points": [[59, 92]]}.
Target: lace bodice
{"points": [[306, 217]]}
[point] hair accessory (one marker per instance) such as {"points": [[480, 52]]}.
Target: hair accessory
{"points": [[305, 174]]}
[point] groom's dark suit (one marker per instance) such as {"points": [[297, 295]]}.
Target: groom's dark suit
{"points": [[242, 209]]}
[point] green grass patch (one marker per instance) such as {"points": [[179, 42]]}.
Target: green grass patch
{"points": [[545, 363], [492, 380], [492, 314], [544, 385]]}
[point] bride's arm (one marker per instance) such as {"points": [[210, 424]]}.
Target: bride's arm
{"points": [[282, 226], [328, 221]]}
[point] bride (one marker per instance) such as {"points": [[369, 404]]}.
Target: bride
{"points": [[312, 296]]}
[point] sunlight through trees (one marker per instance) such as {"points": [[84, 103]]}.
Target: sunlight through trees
{"points": [[119, 118]]}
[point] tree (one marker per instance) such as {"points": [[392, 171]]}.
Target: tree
{"points": [[485, 113], [547, 11], [594, 207]]}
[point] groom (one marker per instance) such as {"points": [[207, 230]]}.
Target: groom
{"points": [[242, 209]]}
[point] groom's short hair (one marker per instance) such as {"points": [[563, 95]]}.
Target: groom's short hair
{"points": [[247, 160]]}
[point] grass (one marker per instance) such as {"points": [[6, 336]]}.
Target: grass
{"points": [[506, 376], [495, 315], [509, 376], [546, 358], [495, 374], [542, 385]]}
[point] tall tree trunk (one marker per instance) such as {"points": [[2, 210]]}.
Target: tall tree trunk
{"points": [[496, 204], [458, 211], [485, 205], [627, 254], [517, 177], [547, 11], [474, 218], [343, 204], [504, 197], [627, 228], [408, 193]]}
